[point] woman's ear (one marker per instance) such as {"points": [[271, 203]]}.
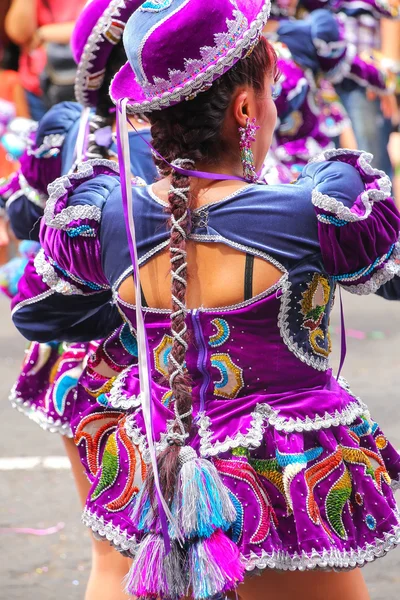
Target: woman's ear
{"points": [[241, 107]]}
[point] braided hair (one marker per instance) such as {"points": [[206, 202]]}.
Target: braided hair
{"points": [[187, 133]]}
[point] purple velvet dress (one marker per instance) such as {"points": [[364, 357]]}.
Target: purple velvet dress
{"points": [[46, 387], [307, 468]]}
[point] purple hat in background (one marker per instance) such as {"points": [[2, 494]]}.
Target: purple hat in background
{"points": [[98, 29], [177, 48]]}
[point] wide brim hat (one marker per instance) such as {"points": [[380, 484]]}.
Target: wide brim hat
{"points": [[177, 48], [97, 31]]}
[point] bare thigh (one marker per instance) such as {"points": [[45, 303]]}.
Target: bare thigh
{"points": [[310, 585]]}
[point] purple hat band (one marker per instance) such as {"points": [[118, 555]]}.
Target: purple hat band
{"points": [[98, 29], [194, 43]]}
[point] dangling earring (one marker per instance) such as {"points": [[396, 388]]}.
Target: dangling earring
{"points": [[247, 136]]}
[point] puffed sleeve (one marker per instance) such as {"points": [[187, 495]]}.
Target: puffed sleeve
{"points": [[64, 286], [358, 222], [42, 161]]}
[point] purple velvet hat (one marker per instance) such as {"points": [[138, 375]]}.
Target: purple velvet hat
{"points": [[98, 29], [177, 48]]}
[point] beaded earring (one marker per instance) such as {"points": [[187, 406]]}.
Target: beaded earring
{"points": [[247, 136]]}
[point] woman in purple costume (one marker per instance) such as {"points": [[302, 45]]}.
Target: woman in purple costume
{"points": [[226, 447], [68, 134]]}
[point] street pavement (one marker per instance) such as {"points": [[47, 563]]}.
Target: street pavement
{"points": [[55, 566]]}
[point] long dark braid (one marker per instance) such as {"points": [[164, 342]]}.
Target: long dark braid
{"points": [[187, 133]]}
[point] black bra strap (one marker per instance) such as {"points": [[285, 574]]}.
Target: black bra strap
{"points": [[248, 277], [144, 303]]}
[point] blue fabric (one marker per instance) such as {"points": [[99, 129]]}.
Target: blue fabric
{"points": [[37, 108], [371, 129], [25, 218], [262, 219], [142, 163], [299, 37]]}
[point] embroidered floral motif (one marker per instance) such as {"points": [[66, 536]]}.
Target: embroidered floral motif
{"points": [[161, 354], [231, 382], [337, 498], [92, 429], [313, 305], [166, 399], [109, 467], [242, 471], [222, 335]]}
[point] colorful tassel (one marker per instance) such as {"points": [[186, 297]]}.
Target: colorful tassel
{"points": [[155, 574], [201, 503], [215, 566]]}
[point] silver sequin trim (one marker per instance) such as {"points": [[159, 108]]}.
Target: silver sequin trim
{"points": [[117, 399], [33, 300], [203, 80], [52, 280], [265, 416], [44, 421], [94, 43], [108, 532], [60, 187], [332, 559], [379, 278]]}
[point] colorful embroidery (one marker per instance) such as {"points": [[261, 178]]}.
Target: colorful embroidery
{"points": [[114, 31], [222, 335], [166, 399], [381, 442], [373, 463], [313, 305], [270, 470], [313, 476], [293, 464], [92, 430], [161, 354], [370, 522], [336, 500], [242, 471], [109, 467], [94, 80], [128, 340], [292, 123], [231, 382], [359, 499], [65, 384], [44, 352], [155, 5], [100, 393], [136, 469], [237, 527]]}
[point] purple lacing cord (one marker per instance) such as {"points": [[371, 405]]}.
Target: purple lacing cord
{"points": [[343, 344]]}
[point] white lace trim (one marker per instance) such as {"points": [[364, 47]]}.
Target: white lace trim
{"points": [[390, 269], [108, 532], [49, 147], [368, 197], [328, 559], [52, 280], [206, 77], [95, 41], [117, 399], [265, 416], [60, 187], [44, 421], [29, 192]]}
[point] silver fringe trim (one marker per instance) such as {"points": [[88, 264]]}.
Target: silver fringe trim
{"points": [[108, 532]]}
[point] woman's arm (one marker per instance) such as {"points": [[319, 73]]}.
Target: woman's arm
{"points": [[21, 21], [21, 105], [58, 33]]}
